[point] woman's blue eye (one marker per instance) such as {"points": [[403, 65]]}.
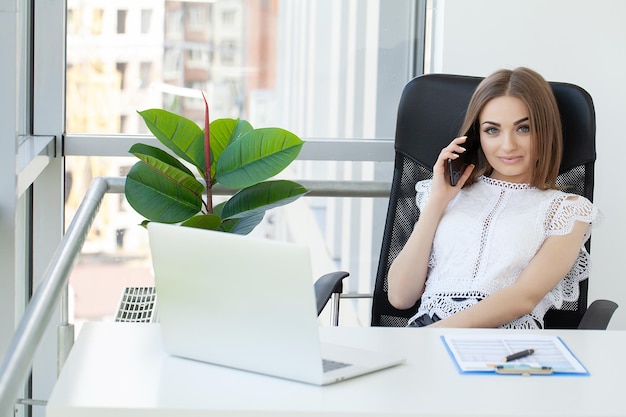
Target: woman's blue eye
{"points": [[524, 129], [491, 130]]}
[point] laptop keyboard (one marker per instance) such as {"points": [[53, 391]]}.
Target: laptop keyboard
{"points": [[332, 365]]}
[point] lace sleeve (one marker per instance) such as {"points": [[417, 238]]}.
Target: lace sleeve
{"points": [[422, 189], [565, 210]]}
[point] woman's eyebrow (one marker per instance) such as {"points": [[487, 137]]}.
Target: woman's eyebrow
{"points": [[522, 120], [525, 119]]}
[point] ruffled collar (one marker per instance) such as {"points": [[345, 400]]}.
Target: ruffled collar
{"points": [[506, 184]]}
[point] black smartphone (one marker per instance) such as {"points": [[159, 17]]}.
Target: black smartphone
{"points": [[457, 166]]}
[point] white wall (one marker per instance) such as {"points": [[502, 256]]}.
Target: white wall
{"points": [[576, 41]]}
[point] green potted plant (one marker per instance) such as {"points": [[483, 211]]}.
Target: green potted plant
{"points": [[227, 151]]}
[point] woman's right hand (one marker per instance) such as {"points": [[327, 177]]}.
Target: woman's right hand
{"points": [[441, 189], [408, 272]]}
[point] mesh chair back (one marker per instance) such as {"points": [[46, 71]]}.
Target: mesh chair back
{"points": [[430, 114]]}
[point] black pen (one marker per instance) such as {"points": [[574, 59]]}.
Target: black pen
{"points": [[519, 355]]}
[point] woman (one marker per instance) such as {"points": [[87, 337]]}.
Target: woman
{"points": [[503, 245]]}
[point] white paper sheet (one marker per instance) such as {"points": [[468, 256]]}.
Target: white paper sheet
{"points": [[481, 353]]}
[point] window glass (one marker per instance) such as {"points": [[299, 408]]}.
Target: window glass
{"points": [[121, 21], [320, 68], [146, 21], [97, 17]]}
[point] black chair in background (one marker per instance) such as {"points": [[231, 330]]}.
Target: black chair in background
{"points": [[430, 113]]}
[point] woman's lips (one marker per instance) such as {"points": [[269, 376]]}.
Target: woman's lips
{"points": [[510, 159]]}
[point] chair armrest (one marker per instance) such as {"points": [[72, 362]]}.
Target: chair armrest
{"points": [[598, 315], [326, 285]]}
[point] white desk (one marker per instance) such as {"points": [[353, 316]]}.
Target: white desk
{"points": [[120, 369]]}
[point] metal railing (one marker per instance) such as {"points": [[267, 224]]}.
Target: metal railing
{"points": [[18, 360]]}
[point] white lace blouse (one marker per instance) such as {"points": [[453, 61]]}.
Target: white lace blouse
{"points": [[487, 236]]}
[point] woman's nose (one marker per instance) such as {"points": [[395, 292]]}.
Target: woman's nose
{"points": [[508, 141]]}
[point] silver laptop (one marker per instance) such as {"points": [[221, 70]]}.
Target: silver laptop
{"points": [[246, 303]]}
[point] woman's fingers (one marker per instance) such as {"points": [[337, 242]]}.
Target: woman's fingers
{"points": [[452, 151], [456, 145]]}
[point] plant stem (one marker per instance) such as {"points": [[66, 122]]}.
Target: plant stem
{"points": [[207, 156]]}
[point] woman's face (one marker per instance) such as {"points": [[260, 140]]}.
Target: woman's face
{"points": [[506, 139]]}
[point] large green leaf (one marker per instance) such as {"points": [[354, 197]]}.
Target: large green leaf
{"points": [[261, 197], [203, 221], [167, 165], [183, 136], [223, 132], [159, 197], [256, 156], [242, 226]]}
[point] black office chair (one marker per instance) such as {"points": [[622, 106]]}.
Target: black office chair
{"points": [[430, 113]]}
